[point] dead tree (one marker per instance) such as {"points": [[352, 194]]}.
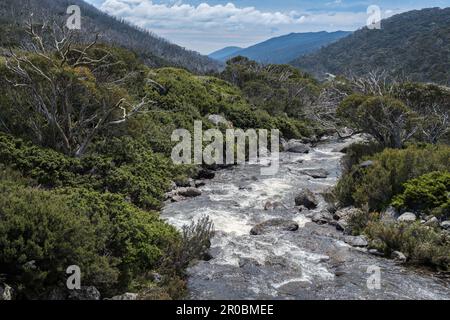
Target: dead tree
{"points": [[74, 124]]}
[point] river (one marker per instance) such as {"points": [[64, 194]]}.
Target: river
{"points": [[311, 263]]}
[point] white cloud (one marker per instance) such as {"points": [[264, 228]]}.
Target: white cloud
{"points": [[148, 14]]}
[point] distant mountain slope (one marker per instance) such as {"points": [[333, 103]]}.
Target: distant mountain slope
{"points": [[414, 44], [222, 54], [286, 48], [154, 50]]}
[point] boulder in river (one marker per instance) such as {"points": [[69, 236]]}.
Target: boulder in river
{"points": [[358, 241], [189, 192], [274, 225], [407, 217], [306, 198], [297, 146], [322, 217], [316, 173], [205, 174]]}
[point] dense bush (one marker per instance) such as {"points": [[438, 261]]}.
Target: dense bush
{"points": [[377, 184], [430, 193], [124, 167], [42, 232], [422, 245]]}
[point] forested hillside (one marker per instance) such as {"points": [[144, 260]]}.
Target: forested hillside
{"points": [[154, 50], [413, 45]]}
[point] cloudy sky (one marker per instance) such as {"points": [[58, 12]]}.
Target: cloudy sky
{"points": [[208, 25]]}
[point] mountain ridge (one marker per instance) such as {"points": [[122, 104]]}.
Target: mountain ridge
{"points": [[285, 48], [414, 44]]}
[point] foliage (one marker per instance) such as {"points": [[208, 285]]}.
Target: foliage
{"points": [[422, 245], [429, 192], [45, 231], [278, 89], [377, 184], [124, 167], [388, 120], [403, 47]]}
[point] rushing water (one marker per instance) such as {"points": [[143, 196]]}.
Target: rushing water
{"points": [[311, 263]]}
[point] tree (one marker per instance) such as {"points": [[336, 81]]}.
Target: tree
{"points": [[58, 78], [386, 119]]}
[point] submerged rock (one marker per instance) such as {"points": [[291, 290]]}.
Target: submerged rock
{"points": [[274, 225], [189, 192], [316, 173], [306, 198]]}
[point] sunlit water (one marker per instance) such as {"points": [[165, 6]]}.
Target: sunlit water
{"points": [[311, 263]]}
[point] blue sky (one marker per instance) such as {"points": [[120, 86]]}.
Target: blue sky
{"points": [[208, 25]]}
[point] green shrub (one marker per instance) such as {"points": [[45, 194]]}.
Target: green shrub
{"points": [[43, 232], [376, 185], [123, 166], [421, 244], [428, 192]]}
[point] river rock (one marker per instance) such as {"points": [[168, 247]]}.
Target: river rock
{"points": [[432, 222], [375, 252], [398, 257], [445, 225], [297, 146], [273, 205], [316, 173], [274, 225], [205, 174], [390, 215], [189, 192], [407, 217], [358, 241], [6, 292], [85, 293], [126, 296], [322, 217], [306, 198]]}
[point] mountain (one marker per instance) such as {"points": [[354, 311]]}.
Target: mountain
{"points": [[155, 51], [415, 44], [286, 48], [222, 54]]}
